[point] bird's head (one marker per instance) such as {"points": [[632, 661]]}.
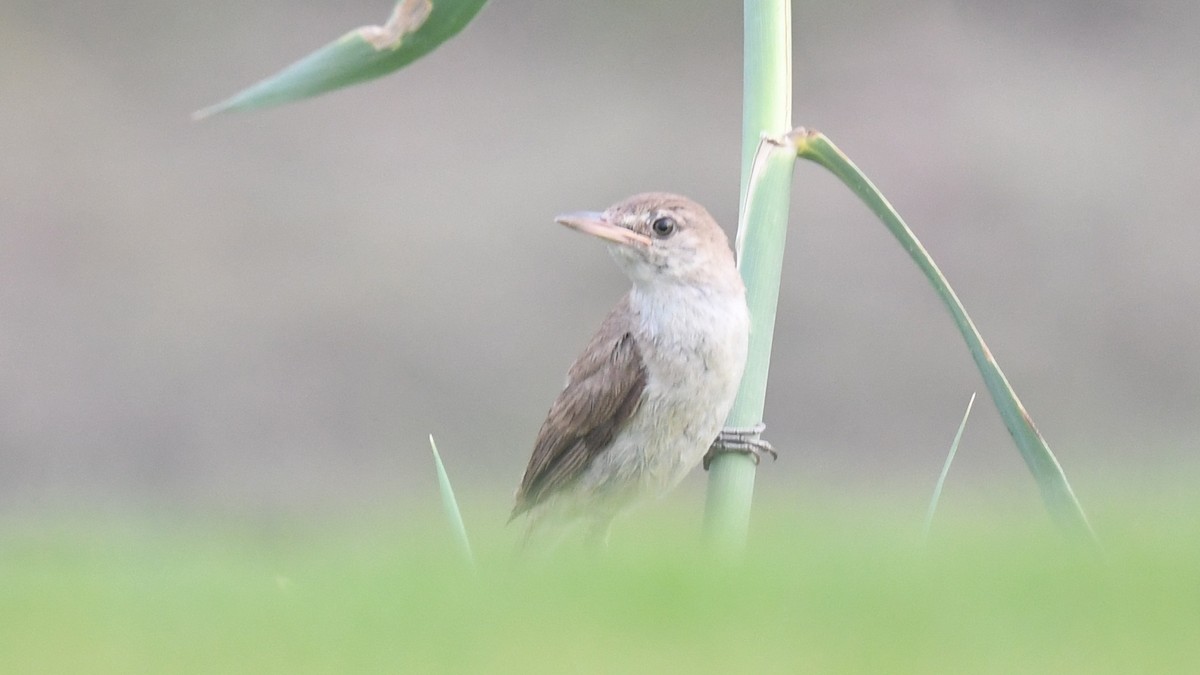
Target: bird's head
{"points": [[659, 238]]}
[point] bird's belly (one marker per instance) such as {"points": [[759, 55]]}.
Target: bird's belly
{"points": [[666, 440], [693, 368]]}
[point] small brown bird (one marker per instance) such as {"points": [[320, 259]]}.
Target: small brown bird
{"points": [[649, 394]]}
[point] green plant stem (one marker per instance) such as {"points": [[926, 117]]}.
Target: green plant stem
{"points": [[765, 195], [766, 80], [1056, 492]]}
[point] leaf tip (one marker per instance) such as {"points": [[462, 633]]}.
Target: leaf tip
{"points": [[205, 113]]}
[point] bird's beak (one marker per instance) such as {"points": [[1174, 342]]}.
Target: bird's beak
{"points": [[597, 224]]}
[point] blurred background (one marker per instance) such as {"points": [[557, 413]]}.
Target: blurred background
{"points": [[270, 312]]}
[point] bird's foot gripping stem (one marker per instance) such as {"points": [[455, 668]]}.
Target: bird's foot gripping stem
{"points": [[743, 440]]}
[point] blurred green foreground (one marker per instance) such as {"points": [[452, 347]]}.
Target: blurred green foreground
{"points": [[826, 588]]}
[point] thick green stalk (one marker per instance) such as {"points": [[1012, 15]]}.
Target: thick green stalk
{"points": [[766, 190], [766, 80]]}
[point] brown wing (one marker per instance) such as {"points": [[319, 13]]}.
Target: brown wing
{"points": [[604, 387]]}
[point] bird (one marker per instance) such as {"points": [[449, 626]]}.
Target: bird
{"points": [[648, 396]]}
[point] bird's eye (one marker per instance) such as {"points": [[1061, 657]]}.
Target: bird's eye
{"points": [[663, 226]]}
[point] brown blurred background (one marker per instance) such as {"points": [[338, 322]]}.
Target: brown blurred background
{"points": [[272, 310]]}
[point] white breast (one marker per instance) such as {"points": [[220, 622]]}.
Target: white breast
{"points": [[693, 345]]}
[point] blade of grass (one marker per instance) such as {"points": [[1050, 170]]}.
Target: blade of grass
{"points": [[415, 28], [450, 504], [762, 228], [1056, 492], [941, 481]]}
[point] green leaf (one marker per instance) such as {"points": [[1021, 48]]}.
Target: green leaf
{"points": [[415, 28], [1052, 482], [941, 481], [450, 504]]}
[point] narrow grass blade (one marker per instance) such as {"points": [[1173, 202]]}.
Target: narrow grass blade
{"points": [[941, 481], [451, 505], [415, 28], [1052, 482]]}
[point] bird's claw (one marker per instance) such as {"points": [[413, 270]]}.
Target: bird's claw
{"points": [[743, 440]]}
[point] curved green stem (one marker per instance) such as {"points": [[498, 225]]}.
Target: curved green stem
{"points": [[1052, 482]]}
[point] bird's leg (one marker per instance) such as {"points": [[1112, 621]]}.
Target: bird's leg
{"points": [[744, 440]]}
